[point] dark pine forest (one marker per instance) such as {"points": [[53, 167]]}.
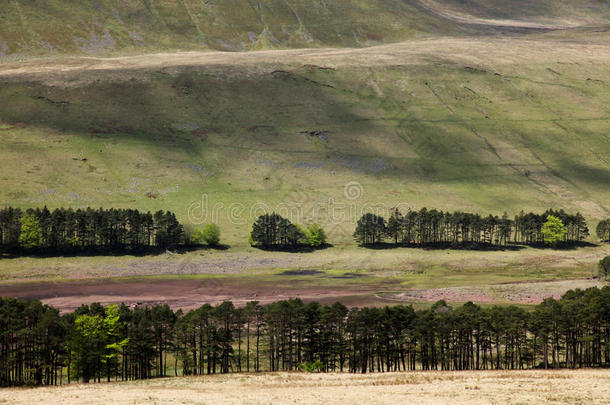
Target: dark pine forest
{"points": [[430, 227], [87, 230], [38, 345]]}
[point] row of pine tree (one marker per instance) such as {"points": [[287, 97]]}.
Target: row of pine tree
{"points": [[39, 346], [92, 230], [88, 229], [432, 227]]}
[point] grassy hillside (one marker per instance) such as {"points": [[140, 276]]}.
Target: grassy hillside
{"points": [[104, 27], [575, 12], [487, 125]]}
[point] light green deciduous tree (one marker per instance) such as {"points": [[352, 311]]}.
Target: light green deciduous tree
{"points": [[209, 234], [315, 236], [553, 231], [31, 233], [96, 344]]}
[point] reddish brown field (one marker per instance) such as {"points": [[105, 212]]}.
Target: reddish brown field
{"points": [[191, 293], [186, 293]]}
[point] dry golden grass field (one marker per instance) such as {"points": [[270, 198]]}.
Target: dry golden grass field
{"points": [[484, 387]]}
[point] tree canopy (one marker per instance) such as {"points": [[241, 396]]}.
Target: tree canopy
{"points": [[428, 227], [272, 230], [370, 229], [603, 230], [67, 230], [209, 234], [315, 235], [604, 267], [553, 231], [30, 236], [40, 346]]}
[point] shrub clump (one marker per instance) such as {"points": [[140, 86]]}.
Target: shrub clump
{"points": [[209, 235]]}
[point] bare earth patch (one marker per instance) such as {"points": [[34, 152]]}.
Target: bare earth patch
{"points": [[495, 54], [516, 293], [353, 276], [187, 293], [483, 387], [194, 292]]}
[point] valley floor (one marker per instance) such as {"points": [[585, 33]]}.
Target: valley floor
{"points": [[482, 387], [354, 276]]}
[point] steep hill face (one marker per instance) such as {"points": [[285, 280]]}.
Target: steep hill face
{"points": [[479, 124], [111, 27], [576, 12]]}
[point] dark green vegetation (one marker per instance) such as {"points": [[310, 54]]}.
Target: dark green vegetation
{"points": [[275, 231], [87, 230], [209, 234], [433, 227], [371, 228], [103, 27], [603, 230], [315, 236], [272, 230], [604, 267], [93, 343]]}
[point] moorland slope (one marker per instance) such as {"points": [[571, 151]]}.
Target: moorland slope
{"points": [[108, 27], [485, 124], [461, 117]]}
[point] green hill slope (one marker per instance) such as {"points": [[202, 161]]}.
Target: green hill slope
{"points": [[107, 27], [487, 125]]}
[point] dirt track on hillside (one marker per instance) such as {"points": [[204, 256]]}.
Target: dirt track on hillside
{"points": [[492, 52], [444, 11]]}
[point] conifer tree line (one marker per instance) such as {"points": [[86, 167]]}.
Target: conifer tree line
{"points": [[40, 346], [433, 227], [87, 229], [129, 229]]}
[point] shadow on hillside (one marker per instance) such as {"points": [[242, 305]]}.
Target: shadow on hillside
{"points": [[306, 272], [477, 246], [445, 246], [293, 249], [117, 252], [563, 246]]}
